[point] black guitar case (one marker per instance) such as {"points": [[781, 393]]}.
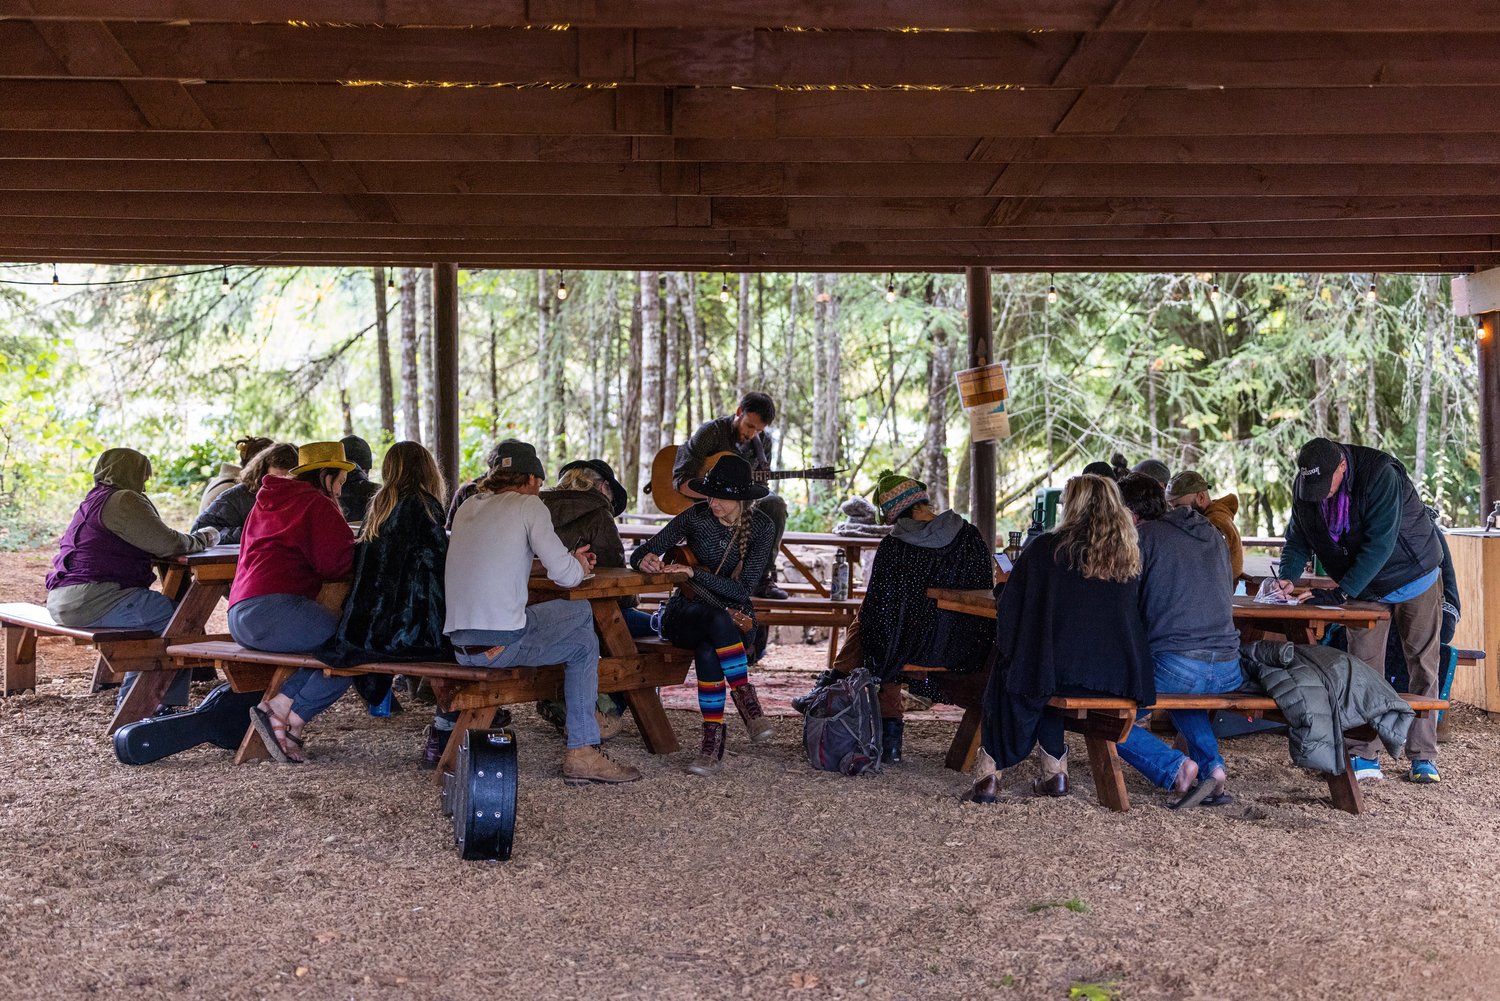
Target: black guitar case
{"points": [[221, 719], [480, 795]]}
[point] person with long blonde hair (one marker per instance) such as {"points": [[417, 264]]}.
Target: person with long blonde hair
{"points": [[1068, 622]]}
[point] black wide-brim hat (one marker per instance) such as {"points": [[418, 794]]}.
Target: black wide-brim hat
{"points": [[730, 479], [619, 499]]}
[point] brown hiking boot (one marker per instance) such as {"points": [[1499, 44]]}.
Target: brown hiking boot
{"points": [[748, 703], [583, 765], [710, 759]]}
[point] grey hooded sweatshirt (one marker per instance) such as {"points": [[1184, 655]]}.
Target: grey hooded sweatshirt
{"points": [[129, 514], [1184, 602]]}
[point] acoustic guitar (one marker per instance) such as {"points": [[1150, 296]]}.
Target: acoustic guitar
{"points": [[670, 500]]}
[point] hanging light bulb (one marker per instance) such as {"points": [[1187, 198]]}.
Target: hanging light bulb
{"points": [[55, 280], [724, 289], [1481, 329], [1213, 294], [1051, 295], [1371, 293], [224, 285], [562, 286], [390, 282], [890, 289]]}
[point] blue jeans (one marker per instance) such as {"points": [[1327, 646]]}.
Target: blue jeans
{"points": [[290, 623], [1179, 675], [143, 608], [556, 631]]}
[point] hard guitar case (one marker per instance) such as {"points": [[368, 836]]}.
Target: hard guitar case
{"points": [[480, 795], [221, 719]]}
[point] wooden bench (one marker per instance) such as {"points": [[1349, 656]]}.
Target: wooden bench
{"points": [[475, 693], [809, 611], [967, 692], [23, 623], [1105, 722]]}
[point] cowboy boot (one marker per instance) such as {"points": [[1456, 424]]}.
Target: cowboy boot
{"points": [[748, 703], [1054, 780], [710, 759]]}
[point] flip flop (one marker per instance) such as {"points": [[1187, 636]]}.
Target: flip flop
{"points": [[1217, 799], [1195, 796], [261, 720]]}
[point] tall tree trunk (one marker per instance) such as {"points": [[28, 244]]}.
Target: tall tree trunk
{"points": [[826, 381], [1372, 420], [494, 376], [698, 371], [788, 369], [1431, 314], [1320, 396], [630, 397], [426, 347], [939, 384], [760, 332], [1341, 403], [557, 372], [683, 331], [650, 383], [383, 351], [542, 420], [411, 396], [742, 341], [961, 477], [669, 342], [347, 412]]}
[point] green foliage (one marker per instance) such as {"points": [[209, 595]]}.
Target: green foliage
{"points": [[1109, 991], [1072, 903]]}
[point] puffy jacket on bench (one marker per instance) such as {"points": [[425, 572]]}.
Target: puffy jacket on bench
{"points": [[1322, 692]]}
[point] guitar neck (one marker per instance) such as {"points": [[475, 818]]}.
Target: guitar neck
{"points": [[816, 473]]}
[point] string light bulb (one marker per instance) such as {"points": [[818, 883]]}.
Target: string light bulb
{"points": [[390, 282], [562, 286], [1213, 294], [224, 285], [55, 280], [1051, 295], [1481, 329], [890, 289], [1372, 294], [724, 289]]}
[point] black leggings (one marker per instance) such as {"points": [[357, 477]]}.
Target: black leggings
{"points": [[703, 629]]}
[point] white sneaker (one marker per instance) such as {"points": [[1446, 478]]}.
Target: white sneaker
{"points": [[1366, 769]]}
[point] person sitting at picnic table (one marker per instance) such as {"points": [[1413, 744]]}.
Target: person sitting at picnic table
{"points": [[496, 535], [294, 542], [1154, 468], [898, 623], [1356, 509], [101, 576], [732, 542], [229, 511], [354, 498], [1068, 623], [584, 506], [1195, 647], [1189, 489], [469, 489], [395, 608], [229, 473]]}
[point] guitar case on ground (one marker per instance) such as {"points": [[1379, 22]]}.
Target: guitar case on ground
{"points": [[221, 719], [480, 795]]}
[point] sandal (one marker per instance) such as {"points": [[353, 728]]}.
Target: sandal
{"points": [[275, 735]]}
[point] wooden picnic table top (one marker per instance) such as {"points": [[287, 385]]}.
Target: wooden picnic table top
{"points": [[981, 602], [606, 582], [860, 542], [211, 556]]}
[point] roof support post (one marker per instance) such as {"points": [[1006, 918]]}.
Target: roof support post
{"points": [[982, 454], [445, 369]]}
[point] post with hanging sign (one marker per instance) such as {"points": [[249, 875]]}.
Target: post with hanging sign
{"points": [[982, 454]]}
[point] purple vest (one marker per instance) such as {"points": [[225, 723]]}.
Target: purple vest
{"points": [[89, 553]]}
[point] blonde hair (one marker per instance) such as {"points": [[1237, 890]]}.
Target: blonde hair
{"points": [[407, 468], [579, 478], [1097, 536]]}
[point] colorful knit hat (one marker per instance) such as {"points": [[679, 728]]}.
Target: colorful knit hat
{"points": [[896, 494]]}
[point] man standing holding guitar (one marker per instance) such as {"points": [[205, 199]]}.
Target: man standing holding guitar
{"points": [[743, 433]]}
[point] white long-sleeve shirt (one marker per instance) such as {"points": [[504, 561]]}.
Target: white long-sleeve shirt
{"points": [[495, 537]]}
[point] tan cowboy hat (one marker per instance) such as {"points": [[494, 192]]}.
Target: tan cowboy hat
{"points": [[321, 455]]}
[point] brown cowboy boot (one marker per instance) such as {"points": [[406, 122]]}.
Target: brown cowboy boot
{"points": [[748, 703], [710, 759]]}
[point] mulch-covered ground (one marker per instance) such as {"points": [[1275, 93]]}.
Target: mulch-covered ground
{"points": [[194, 879]]}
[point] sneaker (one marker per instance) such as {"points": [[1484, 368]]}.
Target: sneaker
{"points": [[1366, 769], [1424, 772], [583, 765]]}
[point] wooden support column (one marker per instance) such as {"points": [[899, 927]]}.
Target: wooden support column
{"points": [[445, 368], [1489, 414], [982, 456]]}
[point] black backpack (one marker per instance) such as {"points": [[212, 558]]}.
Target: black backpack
{"points": [[841, 725]]}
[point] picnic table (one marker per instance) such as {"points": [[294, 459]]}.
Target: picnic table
{"points": [[1303, 623], [853, 546]]}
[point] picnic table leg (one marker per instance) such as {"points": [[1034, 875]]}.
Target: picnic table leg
{"points": [[19, 668], [651, 720], [252, 748], [104, 675], [965, 744], [468, 719], [812, 578], [1109, 778], [144, 696], [1345, 790]]}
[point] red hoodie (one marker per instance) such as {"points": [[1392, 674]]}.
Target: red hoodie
{"points": [[294, 540]]}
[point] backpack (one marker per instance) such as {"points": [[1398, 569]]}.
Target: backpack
{"points": [[841, 725]]}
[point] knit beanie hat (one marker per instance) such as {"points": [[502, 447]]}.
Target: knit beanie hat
{"points": [[859, 511], [896, 494]]}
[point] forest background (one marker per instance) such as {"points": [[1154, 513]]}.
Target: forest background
{"points": [[1224, 373]]}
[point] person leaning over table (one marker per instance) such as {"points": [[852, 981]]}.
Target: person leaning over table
{"points": [[496, 535], [294, 542], [101, 576], [229, 511], [733, 542], [1068, 622], [229, 473], [1356, 510]]}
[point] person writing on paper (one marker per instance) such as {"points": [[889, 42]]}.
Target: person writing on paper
{"points": [[1356, 510]]}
